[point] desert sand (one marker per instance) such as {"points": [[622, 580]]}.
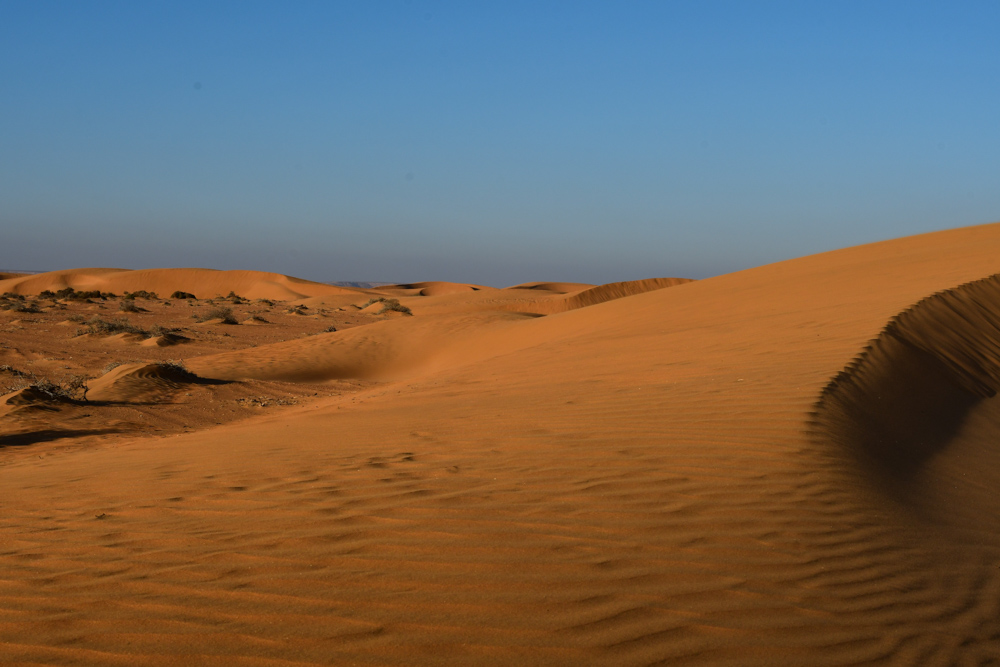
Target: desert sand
{"points": [[790, 465]]}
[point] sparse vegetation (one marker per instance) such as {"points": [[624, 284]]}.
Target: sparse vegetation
{"points": [[67, 390], [182, 295], [177, 367], [128, 306], [27, 307], [236, 298], [219, 313], [160, 330], [297, 310], [142, 294], [71, 294], [101, 327]]}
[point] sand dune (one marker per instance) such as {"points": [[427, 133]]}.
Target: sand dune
{"points": [[670, 477], [203, 283], [431, 288]]}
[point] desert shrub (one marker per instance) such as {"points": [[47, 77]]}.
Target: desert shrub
{"points": [[69, 293], [160, 330], [394, 305], [388, 304], [257, 318], [329, 329], [297, 310], [220, 313], [13, 297], [267, 302], [128, 306], [182, 295], [141, 294], [236, 298], [177, 366], [77, 318], [67, 390], [102, 327], [76, 384], [19, 379], [29, 307]]}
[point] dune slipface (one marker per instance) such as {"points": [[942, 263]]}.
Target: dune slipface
{"points": [[917, 408], [645, 480]]}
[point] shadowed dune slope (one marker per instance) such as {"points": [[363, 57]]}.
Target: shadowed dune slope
{"points": [[917, 407], [203, 283], [637, 482]]}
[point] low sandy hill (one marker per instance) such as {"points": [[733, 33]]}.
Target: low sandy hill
{"points": [[432, 288], [139, 381], [389, 350], [637, 482], [203, 283], [7, 276]]}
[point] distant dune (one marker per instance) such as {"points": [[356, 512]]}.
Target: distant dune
{"points": [[794, 464], [203, 283]]}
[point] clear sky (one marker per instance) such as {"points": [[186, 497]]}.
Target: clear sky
{"points": [[484, 142]]}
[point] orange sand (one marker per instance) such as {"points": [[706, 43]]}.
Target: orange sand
{"points": [[679, 476]]}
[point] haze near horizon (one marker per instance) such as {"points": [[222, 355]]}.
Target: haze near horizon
{"points": [[493, 145]]}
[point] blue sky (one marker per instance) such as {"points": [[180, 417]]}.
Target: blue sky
{"points": [[489, 142]]}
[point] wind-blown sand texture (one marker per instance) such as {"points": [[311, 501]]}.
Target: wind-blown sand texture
{"points": [[790, 465]]}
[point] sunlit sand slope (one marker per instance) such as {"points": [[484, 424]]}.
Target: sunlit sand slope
{"points": [[203, 283], [637, 482]]}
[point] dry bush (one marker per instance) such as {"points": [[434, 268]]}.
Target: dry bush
{"points": [[219, 313], [142, 294], [388, 304], [102, 327]]}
